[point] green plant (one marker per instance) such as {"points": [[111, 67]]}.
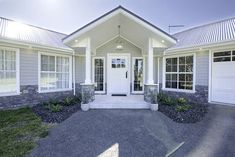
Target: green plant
{"points": [[55, 107], [161, 97], [165, 99], [169, 101], [52, 105], [68, 101], [182, 108], [181, 101]]}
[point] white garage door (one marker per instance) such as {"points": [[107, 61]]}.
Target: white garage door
{"points": [[223, 77]]}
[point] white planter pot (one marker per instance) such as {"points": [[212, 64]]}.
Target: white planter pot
{"points": [[85, 107], [153, 107]]}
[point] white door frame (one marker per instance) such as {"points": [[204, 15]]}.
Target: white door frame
{"points": [[108, 69], [132, 71], [93, 73]]}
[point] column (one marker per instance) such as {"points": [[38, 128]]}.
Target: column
{"points": [[88, 62], [150, 62]]}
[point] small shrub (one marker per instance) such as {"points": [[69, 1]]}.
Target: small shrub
{"points": [[68, 101], [55, 107], [182, 108], [52, 105], [181, 101], [165, 99], [161, 97], [169, 101]]}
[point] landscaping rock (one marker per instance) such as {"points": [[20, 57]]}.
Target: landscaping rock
{"points": [[193, 115], [55, 117]]}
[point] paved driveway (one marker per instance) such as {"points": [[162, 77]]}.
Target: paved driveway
{"points": [[140, 133]]}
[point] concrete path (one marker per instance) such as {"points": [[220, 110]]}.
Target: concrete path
{"points": [[140, 133]]}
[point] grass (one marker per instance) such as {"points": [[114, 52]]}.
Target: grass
{"points": [[19, 131]]}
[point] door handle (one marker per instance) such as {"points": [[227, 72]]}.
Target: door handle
{"points": [[126, 73]]}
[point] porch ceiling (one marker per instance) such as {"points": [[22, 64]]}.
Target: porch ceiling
{"points": [[132, 29]]}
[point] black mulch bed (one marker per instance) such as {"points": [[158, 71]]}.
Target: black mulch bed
{"points": [[193, 115], [55, 117]]}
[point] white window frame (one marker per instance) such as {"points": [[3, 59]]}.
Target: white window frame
{"points": [[164, 73], [39, 72], [17, 72], [132, 79], [93, 73]]}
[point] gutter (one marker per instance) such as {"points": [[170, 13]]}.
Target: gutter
{"points": [[200, 47]]}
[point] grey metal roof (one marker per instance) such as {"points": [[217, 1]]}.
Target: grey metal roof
{"points": [[212, 33], [13, 30]]}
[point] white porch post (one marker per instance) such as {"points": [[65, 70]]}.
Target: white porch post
{"points": [[88, 62], [150, 62]]}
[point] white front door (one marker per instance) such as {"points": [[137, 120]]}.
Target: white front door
{"points": [[118, 74]]}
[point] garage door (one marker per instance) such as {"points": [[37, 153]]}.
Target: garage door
{"points": [[223, 77]]}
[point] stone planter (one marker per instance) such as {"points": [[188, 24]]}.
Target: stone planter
{"points": [[154, 107]]}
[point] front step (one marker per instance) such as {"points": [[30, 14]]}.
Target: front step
{"points": [[119, 106], [119, 102]]}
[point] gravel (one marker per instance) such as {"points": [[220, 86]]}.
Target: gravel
{"points": [[193, 115], [55, 117]]}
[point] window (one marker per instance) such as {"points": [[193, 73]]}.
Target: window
{"points": [[222, 56], [118, 63], [138, 74], [55, 73], [179, 73], [99, 74], [9, 72], [225, 56]]}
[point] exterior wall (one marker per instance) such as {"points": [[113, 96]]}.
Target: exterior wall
{"points": [[202, 68], [29, 95], [201, 84], [110, 47], [80, 66], [28, 67]]}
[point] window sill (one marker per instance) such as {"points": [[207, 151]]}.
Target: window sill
{"points": [[179, 90], [53, 91], [9, 94]]}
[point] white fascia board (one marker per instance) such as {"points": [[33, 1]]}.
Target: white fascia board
{"points": [[107, 17], [91, 26], [146, 25]]}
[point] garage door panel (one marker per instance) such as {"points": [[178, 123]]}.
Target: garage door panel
{"points": [[223, 82]]}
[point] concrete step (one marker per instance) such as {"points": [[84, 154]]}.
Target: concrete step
{"points": [[119, 106], [119, 102]]}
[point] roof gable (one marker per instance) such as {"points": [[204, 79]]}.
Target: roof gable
{"points": [[112, 13]]}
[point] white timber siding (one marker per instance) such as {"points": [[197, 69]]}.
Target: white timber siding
{"points": [[28, 67], [202, 68], [80, 69]]}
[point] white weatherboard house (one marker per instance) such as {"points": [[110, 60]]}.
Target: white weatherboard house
{"points": [[117, 59]]}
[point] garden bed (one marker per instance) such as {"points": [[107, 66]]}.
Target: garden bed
{"points": [[180, 110], [56, 112]]}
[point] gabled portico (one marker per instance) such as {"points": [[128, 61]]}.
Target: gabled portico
{"points": [[119, 46]]}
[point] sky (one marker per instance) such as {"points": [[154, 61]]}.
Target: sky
{"points": [[67, 16]]}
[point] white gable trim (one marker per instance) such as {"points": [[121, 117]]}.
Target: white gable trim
{"points": [[109, 16]]}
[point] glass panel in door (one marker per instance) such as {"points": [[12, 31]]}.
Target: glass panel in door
{"points": [[138, 75], [99, 74]]}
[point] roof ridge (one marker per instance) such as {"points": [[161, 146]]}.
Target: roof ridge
{"points": [[204, 25], [33, 26]]}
